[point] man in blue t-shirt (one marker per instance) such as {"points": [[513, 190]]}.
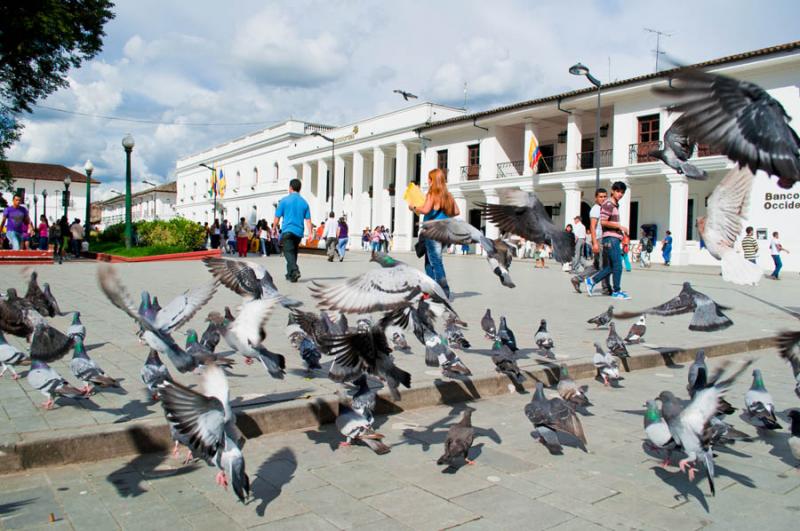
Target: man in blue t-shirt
{"points": [[296, 214], [16, 220]]}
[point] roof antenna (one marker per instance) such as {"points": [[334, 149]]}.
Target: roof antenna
{"points": [[659, 34]]}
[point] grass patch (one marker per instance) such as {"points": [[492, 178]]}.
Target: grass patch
{"points": [[134, 252]]}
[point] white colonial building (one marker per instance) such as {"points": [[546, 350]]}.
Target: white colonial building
{"points": [[486, 152], [156, 202]]}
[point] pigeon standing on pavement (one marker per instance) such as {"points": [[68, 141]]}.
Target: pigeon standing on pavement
{"points": [[759, 405], [657, 431], [677, 151], [459, 440], [76, 330], [10, 356], [209, 423], [637, 331], [154, 373], [42, 300], [602, 319], [607, 367], [549, 417], [570, 391], [505, 363], [506, 335], [695, 370], [364, 399], [47, 381], [789, 348], [615, 343], [544, 340], [487, 325], [88, 371], [454, 334], [355, 426]]}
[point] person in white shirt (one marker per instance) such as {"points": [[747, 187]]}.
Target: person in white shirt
{"points": [[331, 236], [596, 233], [775, 249], [579, 230]]}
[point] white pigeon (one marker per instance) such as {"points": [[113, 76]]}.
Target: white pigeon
{"points": [[607, 366]]}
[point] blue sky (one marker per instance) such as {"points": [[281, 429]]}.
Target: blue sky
{"points": [[338, 61]]}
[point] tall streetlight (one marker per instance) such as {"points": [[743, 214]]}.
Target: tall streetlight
{"points": [[65, 195], [579, 69], [44, 202], [88, 168], [213, 188], [333, 161], [128, 144]]}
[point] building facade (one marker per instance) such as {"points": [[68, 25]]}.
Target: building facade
{"points": [[157, 202], [43, 189], [485, 153]]}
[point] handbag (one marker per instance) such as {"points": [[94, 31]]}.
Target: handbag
{"points": [[419, 248]]}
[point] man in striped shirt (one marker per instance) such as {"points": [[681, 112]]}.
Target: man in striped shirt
{"points": [[750, 245]]}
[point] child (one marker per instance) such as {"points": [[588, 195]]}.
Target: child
{"points": [[538, 256]]}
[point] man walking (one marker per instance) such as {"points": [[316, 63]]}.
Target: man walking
{"points": [[76, 231], [295, 213], [775, 249], [16, 220], [613, 233], [579, 230], [599, 253], [749, 245], [330, 235]]}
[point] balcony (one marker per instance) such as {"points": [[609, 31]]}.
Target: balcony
{"points": [[512, 168], [586, 159], [638, 153], [471, 172]]}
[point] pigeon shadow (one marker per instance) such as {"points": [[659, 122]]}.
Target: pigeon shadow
{"points": [[128, 479], [273, 474], [94, 346], [327, 434], [269, 399], [12, 507], [779, 447], [436, 433], [465, 294], [451, 392], [739, 478], [320, 278], [684, 488], [668, 355]]}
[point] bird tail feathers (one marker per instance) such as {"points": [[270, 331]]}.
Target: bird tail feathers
{"points": [[376, 445]]}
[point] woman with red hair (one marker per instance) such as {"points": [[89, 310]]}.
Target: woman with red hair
{"points": [[439, 204]]}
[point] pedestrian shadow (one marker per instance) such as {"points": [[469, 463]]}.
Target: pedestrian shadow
{"points": [[12, 507], [273, 474], [683, 487]]}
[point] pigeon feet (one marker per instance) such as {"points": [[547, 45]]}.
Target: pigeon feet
{"points": [[14, 375], [87, 389], [188, 458], [469, 461], [49, 404], [248, 361], [221, 480], [605, 381], [344, 444], [688, 468], [175, 450]]}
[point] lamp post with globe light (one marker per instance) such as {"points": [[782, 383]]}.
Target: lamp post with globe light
{"points": [[88, 168], [128, 144], [65, 195], [579, 69], [44, 202]]}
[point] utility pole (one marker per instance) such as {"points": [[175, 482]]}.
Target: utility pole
{"points": [[659, 34]]}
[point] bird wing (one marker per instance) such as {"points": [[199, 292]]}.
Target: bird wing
{"points": [[789, 345], [183, 307], [376, 290], [518, 216], [450, 231], [116, 292], [252, 318], [684, 302], [201, 418], [353, 349], [563, 418], [49, 344], [728, 204], [678, 140], [309, 322], [239, 276], [699, 411], [708, 315], [740, 119]]}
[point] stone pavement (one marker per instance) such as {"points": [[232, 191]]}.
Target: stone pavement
{"points": [[757, 312], [302, 481]]}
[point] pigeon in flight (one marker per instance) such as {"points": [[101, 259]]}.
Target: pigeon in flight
{"points": [[10, 356], [637, 331], [247, 279], [406, 95], [759, 405], [88, 371], [738, 118], [488, 326], [615, 343], [723, 223], [707, 315], [47, 381], [456, 231], [570, 391], [459, 440], [789, 348], [602, 319], [210, 425], [552, 416], [524, 215], [677, 151], [607, 366]]}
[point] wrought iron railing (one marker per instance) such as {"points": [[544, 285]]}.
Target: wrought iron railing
{"points": [[316, 128], [640, 152], [704, 150], [471, 172], [513, 168], [586, 159]]}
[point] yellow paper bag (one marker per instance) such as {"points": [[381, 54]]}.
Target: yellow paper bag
{"points": [[414, 196]]}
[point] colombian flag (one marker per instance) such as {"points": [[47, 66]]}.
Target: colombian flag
{"points": [[534, 153], [213, 188]]}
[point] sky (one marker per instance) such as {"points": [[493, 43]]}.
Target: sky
{"points": [[194, 74]]}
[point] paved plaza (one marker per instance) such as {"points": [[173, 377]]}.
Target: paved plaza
{"points": [[301, 481], [539, 294]]}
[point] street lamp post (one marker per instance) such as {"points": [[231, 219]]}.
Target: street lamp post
{"points": [[44, 202], [213, 188], [65, 196], [333, 161], [88, 168], [579, 69], [35, 209], [128, 144]]}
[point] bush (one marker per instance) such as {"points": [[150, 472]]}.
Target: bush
{"points": [[116, 233], [177, 232]]}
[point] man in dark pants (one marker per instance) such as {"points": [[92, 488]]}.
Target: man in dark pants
{"points": [[296, 214], [613, 234]]}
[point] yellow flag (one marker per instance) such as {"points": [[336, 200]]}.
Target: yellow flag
{"points": [[414, 196]]}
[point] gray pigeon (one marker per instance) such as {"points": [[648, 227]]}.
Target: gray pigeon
{"points": [[707, 315], [487, 325], [759, 406], [399, 341], [364, 398], [570, 391], [42, 300], [88, 371], [544, 340], [738, 118], [678, 148], [210, 425], [455, 334], [695, 370], [637, 331], [355, 426], [789, 347], [153, 373], [524, 215], [456, 231], [552, 416], [602, 319], [202, 354], [10, 356], [657, 431], [247, 279], [505, 363], [607, 367], [615, 343], [452, 366], [76, 329], [459, 440], [47, 381], [506, 335], [211, 337]]}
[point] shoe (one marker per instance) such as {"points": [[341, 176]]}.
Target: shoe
{"points": [[576, 283], [621, 295], [589, 285], [341, 259]]}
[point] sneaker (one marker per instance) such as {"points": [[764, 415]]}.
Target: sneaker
{"points": [[621, 295], [589, 285]]}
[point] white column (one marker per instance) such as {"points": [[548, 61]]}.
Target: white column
{"points": [[305, 189], [322, 192], [378, 186], [572, 201], [403, 221], [489, 148], [678, 206], [492, 231], [574, 137], [625, 209], [360, 200], [338, 187]]}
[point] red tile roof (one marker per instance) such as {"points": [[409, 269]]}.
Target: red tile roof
{"points": [[44, 172]]}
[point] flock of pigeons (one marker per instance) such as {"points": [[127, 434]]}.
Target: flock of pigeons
{"points": [[736, 117]]}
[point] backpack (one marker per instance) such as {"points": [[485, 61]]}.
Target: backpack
{"points": [[648, 245]]}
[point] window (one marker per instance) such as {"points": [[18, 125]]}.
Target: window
{"points": [[473, 161], [238, 181], [649, 136], [441, 160], [255, 175], [277, 173]]}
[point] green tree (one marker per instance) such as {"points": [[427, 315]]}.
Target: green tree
{"points": [[40, 40]]}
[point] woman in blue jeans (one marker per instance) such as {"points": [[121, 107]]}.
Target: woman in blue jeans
{"points": [[344, 237], [439, 204]]}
